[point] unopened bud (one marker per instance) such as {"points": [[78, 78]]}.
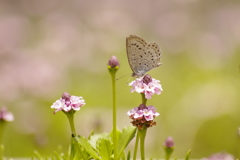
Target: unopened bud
{"points": [[147, 79], [113, 62], [169, 143], [66, 96], [168, 147]]}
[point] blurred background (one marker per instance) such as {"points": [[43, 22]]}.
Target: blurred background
{"points": [[49, 47]]}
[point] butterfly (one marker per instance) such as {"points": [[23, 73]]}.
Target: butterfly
{"points": [[142, 56]]}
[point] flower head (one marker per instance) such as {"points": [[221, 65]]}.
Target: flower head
{"points": [[113, 65], [147, 85], [5, 115], [168, 147], [68, 103], [143, 116], [113, 62], [169, 143], [220, 156]]}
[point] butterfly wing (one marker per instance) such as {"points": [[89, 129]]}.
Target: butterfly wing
{"points": [[142, 57]]}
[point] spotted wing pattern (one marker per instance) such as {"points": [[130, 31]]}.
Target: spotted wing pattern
{"points": [[142, 56]]}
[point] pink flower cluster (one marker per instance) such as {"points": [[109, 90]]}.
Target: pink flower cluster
{"points": [[5, 115], [148, 113], [143, 116], [68, 102], [147, 85]]}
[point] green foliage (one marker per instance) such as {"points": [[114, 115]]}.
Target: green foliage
{"points": [[187, 155], [105, 148], [125, 137], [84, 144], [98, 147], [128, 155]]}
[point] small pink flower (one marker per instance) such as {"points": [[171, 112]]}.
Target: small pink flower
{"points": [[5, 115], [220, 156], [147, 85], [113, 62], [169, 142], [143, 116], [68, 103]]}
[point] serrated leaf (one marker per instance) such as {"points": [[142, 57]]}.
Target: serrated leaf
{"points": [[76, 151], [83, 142], [91, 134], [93, 140], [188, 155], [105, 148], [118, 133], [125, 137]]}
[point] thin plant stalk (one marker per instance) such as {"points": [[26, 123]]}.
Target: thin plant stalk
{"points": [[2, 124], [142, 135], [114, 114], [70, 116], [136, 147], [144, 100], [1, 151], [113, 66], [142, 132]]}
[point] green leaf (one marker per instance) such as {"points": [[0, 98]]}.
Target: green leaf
{"points": [[83, 142], [188, 154], [94, 138], [38, 155], [122, 156], [75, 151], [105, 148], [58, 157], [91, 134], [117, 134], [129, 155], [125, 137]]}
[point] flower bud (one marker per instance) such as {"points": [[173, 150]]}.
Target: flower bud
{"points": [[168, 147], [113, 62], [147, 79], [66, 96], [169, 143], [142, 106]]}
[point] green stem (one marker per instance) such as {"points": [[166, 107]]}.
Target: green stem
{"points": [[70, 116], [136, 147], [1, 151], [114, 113], [142, 134], [144, 100], [2, 124], [167, 156]]}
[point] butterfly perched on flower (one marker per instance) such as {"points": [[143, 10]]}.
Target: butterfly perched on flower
{"points": [[142, 56]]}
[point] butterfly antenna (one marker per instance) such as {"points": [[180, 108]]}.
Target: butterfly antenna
{"points": [[128, 80], [122, 76]]}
